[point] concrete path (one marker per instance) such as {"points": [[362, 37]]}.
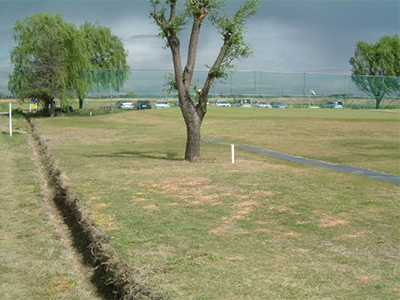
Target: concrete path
{"points": [[357, 171]]}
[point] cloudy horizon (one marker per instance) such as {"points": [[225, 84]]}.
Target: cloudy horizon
{"points": [[287, 36]]}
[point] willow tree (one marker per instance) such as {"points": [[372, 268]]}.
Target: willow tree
{"points": [[232, 28], [51, 57], [42, 59], [376, 68], [108, 66]]}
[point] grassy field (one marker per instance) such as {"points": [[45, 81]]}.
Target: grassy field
{"points": [[33, 263], [259, 229]]}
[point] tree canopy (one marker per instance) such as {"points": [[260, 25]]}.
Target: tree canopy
{"points": [[52, 59], [171, 21], [376, 67], [108, 66]]}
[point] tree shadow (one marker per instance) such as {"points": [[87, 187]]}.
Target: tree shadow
{"points": [[168, 155]]}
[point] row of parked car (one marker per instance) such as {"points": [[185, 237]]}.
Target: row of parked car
{"points": [[145, 104], [127, 104], [249, 103], [265, 104]]}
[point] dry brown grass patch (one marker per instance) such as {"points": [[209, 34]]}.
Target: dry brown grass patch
{"points": [[29, 187], [101, 205], [220, 230], [186, 189], [291, 234], [244, 211], [332, 222], [233, 218], [278, 209], [38, 212], [261, 222], [365, 279], [201, 191], [139, 199], [104, 221], [248, 204], [151, 207]]}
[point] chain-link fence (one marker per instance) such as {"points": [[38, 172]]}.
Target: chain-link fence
{"points": [[297, 89]]}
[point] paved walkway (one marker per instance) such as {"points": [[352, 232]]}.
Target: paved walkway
{"points": [[317, 163], [343, 168]]}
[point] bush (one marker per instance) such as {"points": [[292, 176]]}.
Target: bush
{"points": [[17, 112]]}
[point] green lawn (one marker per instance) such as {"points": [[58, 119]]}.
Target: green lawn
{"points": [[262, 228]]}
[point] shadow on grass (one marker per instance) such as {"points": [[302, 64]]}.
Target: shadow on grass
{"points": [[168, 155]]}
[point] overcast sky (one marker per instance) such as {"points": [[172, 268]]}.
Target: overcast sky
{"points": [[287, 35]]}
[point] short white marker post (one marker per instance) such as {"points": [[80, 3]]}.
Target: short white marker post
{"points": [[9, 116], [233, 153]]}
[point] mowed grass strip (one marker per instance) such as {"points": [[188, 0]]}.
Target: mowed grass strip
{"points": [[32, 261], [259, 229]]}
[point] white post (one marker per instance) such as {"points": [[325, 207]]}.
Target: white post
{"points": [[9, 116], [233, 153]]}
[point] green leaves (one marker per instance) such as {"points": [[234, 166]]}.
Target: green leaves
{"points": [[70, 51], [232, 29], [376, 67], [107, 53], [41, 57]]}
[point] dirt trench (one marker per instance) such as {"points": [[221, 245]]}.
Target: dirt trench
{"points": [[99, 270]]}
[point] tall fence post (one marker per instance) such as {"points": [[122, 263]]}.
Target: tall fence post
{"points": [[9, 115]]}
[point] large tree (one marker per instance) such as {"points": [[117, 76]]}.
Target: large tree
{"points": [[171, 22], [108, 65], [41, 36], [40, 59], [376, 67]]}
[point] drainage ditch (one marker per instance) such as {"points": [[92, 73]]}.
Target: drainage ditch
{"points": [[100, 265]]}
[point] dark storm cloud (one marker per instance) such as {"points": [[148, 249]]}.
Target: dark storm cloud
{"points": [[287, 35]]}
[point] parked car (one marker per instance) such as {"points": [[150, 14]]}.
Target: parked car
{"points": [[279, 104], [242, 103], [142, 104], [161, 104], [197, 102], [124, 104], [333, 104], [177, 104], [221, 103], [262, 104]]}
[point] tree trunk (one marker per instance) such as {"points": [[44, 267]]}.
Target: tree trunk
{"points": [[52, 108], [193, 120], [193, 129], [81, 102], [378, 100]]}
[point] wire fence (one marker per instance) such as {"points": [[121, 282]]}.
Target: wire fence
{"points": [[297, 89]]}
